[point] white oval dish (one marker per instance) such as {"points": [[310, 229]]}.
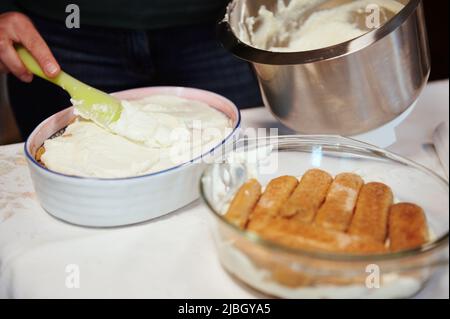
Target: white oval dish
{"points": [[96, 202]]}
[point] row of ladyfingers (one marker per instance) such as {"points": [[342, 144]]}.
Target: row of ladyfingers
{"points": [[333, 215]]}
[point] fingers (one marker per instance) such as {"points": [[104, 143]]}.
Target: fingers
{"points": [[12, 62], [17, 28], [32, 40]]}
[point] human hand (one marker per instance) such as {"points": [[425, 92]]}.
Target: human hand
{"points": [[17, 28]]}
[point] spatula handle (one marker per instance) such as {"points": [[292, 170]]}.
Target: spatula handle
{"points": [[63, 79]]}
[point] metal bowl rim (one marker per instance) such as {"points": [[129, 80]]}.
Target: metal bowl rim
{"points": [[247, 52]]}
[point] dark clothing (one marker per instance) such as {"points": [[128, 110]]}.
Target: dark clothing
{"points": [[127, 14], [120, 59]]}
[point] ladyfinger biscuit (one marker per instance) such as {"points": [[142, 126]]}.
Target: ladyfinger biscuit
{"points": [[40, 151], [372, 210], [337, 211], [315, 238], [243, 203], [309, 195], [268, 207], [407, 227]]}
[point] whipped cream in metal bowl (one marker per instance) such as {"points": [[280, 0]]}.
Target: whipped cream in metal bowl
{"points": [[303, 25], [154, 133]]}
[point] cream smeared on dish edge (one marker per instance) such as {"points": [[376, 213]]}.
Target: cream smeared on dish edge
{"points": [[153, 134]]}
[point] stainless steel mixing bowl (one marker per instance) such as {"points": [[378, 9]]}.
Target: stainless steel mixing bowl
{"points": [[347, 89]]}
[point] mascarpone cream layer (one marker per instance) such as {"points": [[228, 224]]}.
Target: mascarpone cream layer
{"points": [[152, 134]]}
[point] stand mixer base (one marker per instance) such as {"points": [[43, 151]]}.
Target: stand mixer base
{"points": [[385, 135]]}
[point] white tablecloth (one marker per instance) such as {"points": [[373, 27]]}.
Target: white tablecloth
{"points": [[172, 257]]}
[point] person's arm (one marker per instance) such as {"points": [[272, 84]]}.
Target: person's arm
{"points": [[16, 28]]}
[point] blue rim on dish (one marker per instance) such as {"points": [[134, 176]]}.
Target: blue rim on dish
{"points": [[215, 148]]}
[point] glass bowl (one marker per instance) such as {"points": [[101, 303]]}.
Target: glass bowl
{"points": [[280, 271]]}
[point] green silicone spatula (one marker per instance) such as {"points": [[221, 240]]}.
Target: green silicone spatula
{"points": [[90, 103]]}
